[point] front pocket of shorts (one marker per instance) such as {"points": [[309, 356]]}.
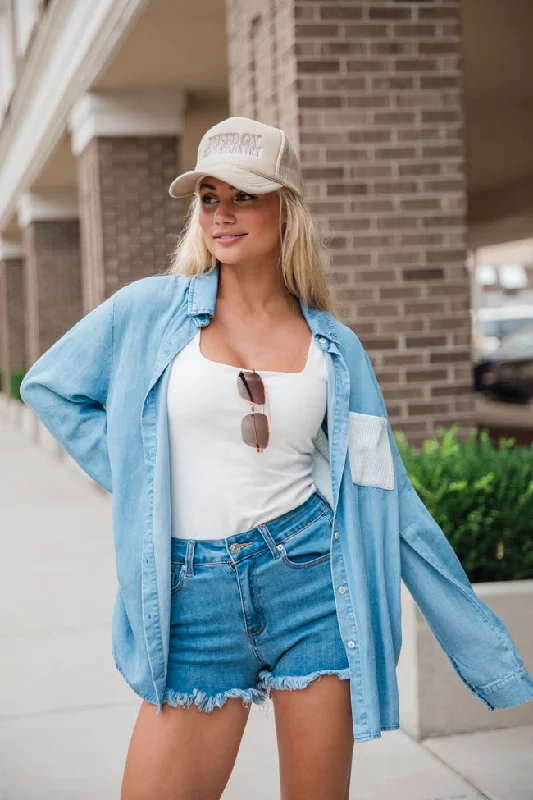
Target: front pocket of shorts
{"points": [[369, 451], [310, 546], [177, 577]]}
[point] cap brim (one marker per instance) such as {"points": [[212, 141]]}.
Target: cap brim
{"points": [[185, 185]]}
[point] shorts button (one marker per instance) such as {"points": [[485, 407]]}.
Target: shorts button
{"points": [[342, 589], [351, 644], [336, 534], [234, 548]]}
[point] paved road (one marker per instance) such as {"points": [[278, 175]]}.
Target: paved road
{"points": [[66, 715]]}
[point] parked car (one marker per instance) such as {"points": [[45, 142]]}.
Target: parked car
{"points": [[507, 374], [491, 325]]}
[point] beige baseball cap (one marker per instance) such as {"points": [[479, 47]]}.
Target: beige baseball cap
{"points": [[245, 153]]}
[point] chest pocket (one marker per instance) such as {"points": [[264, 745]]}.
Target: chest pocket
{"points": [[369, 451]]}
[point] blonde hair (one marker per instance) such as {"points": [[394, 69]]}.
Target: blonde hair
{"points": [[301, 259]]}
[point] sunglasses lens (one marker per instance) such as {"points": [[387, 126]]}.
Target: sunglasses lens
{"points": [[254, 430], [251, 387]]}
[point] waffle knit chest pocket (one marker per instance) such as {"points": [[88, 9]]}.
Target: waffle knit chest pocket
{"points": [[369, 451]]}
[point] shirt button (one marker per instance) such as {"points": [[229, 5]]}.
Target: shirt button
{"points": [[322, 340], [342, 589], [351, 644], [336, 534]]}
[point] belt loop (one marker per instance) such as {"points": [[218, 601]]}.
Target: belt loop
{"points": [[265, 533], [189, 558]]}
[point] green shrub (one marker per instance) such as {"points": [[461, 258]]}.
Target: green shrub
{"points": [[482, 498], [16, 380]]}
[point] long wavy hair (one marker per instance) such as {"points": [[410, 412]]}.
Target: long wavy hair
{"points": [[301, 257]]}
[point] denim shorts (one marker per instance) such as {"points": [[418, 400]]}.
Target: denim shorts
{"points": [[254, 611]]}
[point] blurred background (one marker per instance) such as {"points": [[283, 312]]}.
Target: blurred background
{"points": [[413, 122]]}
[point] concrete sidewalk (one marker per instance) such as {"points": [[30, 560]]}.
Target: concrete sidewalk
{"points": [[66, 715]]}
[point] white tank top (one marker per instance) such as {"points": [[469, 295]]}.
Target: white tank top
{"points": [[220, 485]]}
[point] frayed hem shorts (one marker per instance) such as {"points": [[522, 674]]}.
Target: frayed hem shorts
{"points": [[254, 611]]}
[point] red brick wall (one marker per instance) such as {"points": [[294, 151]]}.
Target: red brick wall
{"points": [[52, 281], [370, 93], [129, 222]]}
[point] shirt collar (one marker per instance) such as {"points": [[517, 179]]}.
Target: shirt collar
{"points": [[202, 300]]}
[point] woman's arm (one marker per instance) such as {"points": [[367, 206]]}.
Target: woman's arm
{"points": [[474, 638], [67, 388]]}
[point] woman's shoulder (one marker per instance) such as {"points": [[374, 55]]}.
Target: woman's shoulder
{"points": [[148, 303], [348, 339], [155, 290]]}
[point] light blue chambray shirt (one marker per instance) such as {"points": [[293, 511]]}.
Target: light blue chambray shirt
{"points": [[101, 392]]}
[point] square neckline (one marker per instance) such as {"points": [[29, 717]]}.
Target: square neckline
{"points": [[245, 369]]}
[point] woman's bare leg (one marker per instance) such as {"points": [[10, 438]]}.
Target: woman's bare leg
{"points": [[183, 753], [315, 739]]}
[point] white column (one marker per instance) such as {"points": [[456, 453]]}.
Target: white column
{"points": [[128, 113], [49, 205], [10, 248], [126, 138], [7, 77], [26, 16]]}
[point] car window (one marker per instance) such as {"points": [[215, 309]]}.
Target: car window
{"points": [[510, 325], [490, 327], [519, 340], [504, 327]]}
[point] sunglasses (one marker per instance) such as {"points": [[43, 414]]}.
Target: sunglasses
{"points": [[255, 427]]}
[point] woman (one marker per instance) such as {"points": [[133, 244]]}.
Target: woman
{"points": [[261, 512]]}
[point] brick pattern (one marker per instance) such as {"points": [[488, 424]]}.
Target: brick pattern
{"points": [[52, 281], [129, 222], [370, 93], [12, 329], [261, 62]]}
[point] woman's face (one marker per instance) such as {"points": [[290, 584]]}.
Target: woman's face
{"points": [[254, 217]]}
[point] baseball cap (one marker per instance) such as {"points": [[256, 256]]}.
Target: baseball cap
{"points": [[245, 153]]}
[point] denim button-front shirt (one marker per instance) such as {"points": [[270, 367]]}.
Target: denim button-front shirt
{"points": [[101, 392]]}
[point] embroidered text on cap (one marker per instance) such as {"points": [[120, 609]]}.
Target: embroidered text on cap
{"points": [[248, 144]]}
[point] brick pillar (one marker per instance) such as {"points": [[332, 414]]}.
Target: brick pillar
{"points": [[127, 145], [12, 331], [370, 93], [51, 240]]}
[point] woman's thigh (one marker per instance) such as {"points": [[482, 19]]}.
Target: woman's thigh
{"points": [[183, 753], [315, 740]]}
